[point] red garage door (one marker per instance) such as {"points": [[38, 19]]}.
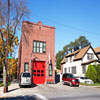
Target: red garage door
{"points": [[38, 72]]}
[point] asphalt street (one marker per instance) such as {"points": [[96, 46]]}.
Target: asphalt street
{"points": [[51, 92], [22, 98]]}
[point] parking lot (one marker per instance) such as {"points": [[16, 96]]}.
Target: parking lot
{"points": [[52, 92]]}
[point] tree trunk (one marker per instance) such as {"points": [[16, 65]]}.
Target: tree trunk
{"points": [[3, 74]]}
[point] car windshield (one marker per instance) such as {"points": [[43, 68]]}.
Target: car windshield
{"points": [[26, 74], [71, 76], [84, 78]]}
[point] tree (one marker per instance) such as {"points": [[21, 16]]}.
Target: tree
{"points": [[76, 45], [59, 57], [91, 73], [69, 48], [12, 13], [17, 10], [97, 67], [65, 49], [12, 68], [83, 42]]}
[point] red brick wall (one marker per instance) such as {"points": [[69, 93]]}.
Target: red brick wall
{"points": [[37, 31]]}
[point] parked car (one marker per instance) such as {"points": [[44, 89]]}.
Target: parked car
{"points": [[25, 79], [68, 78], [85, 80]]}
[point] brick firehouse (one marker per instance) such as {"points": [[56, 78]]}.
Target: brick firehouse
{"points": [[37, 52]]}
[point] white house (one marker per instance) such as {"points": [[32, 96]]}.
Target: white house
{"points": [[77, 62]]}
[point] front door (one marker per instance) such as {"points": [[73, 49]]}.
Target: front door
{"points": [[38, 72]]}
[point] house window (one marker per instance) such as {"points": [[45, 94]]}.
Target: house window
{"points": [[26, 66], [39, 47], [50, 69], [69, 69], [90, 56], [66, 60], [65, 70], [84, 69], [70, 59], [74, 70]]}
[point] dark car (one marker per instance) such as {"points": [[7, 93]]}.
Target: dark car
{"points": [[68, 78]]}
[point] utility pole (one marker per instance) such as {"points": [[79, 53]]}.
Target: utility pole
{"points": [[6, 56]]}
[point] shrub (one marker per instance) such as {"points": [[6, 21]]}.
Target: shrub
{"points": [[1, 84], [97, 67], [91, 73]]}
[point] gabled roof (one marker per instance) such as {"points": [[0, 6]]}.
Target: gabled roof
{"points": [[73, 53], [82, 52], [97, 50], [63, 61]]}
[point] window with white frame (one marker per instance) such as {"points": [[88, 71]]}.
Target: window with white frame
{"points": [[39, 47], [74, 70], [90, 56], [70, 59], [65, 70], [84, 69], [66, 59], [26, 67], [69, 69]]}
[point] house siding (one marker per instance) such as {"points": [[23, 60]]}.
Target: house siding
{"points": [[85, 57], [78, 63]]}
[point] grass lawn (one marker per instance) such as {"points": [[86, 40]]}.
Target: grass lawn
{"points": [[95, 84], [1, 84]]}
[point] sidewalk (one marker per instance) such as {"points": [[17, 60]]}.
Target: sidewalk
{"points": [[13, 90]]}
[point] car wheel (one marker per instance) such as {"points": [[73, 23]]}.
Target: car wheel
{"points": [[20, 86], [70, 83], [77, 85], [63, 83]]}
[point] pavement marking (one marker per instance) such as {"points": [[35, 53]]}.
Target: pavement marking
{"points": [[41, 97]]}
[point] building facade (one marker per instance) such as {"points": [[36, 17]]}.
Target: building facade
{"points": [[77, 62], [37, 52]]}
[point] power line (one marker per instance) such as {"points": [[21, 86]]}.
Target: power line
{"points": [[71, 27]]}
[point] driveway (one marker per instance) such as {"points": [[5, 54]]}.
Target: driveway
{"points": [[51, 92]]}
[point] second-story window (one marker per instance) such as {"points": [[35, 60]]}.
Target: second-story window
{"points": [[39, 47], [66, 59], [90, 56], [70, 59]]}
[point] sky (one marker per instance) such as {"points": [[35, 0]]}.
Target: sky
{"points": [[71, 18]]}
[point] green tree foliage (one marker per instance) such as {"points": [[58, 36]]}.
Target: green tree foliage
{"points": [[17, 11], [59, 57], [12, 67], [97, 67], [91, 73], [79, 43], [83, 42]]}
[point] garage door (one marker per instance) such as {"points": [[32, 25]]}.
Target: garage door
{"points": [[38, 72]]}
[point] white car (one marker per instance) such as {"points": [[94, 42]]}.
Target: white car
{"points": [[85, 80], [25, 79]]}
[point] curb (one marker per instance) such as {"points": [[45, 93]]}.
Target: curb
{"points": [[3, 96]]}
